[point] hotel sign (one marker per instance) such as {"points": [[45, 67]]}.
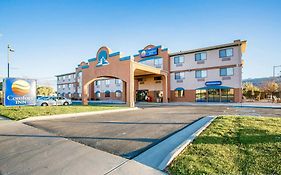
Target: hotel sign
{"points": [[19, 92], [149, 52], [213, 83]]}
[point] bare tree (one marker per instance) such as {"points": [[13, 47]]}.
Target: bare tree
{"points": [[270, 88]]}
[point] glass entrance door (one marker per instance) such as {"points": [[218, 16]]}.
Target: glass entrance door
{"points": [[213, 95], [141, 95]]}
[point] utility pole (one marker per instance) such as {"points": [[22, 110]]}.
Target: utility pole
{"points": [[9, 50]]}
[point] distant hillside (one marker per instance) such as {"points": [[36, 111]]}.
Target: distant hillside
{"points": [[260, 81]]}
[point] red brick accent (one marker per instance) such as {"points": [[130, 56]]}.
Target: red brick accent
{"points": [[238, 95], [189, 96]]}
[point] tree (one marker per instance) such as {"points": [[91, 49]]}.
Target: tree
{"points": [[45, 91], [270, 87], [250, 91]]}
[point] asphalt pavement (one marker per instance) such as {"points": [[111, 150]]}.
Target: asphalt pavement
{"points": [[128, 134]]}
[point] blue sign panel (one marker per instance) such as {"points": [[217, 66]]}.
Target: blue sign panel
{"points": [[149, 52], [213, 83], [102, 58], [19, 92]]}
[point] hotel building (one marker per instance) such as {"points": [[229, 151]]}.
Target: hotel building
{"points": [[209, 74]]}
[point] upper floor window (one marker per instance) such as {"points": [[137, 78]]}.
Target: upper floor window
{"points": [[179, 75], [227, 71], [107, 82], [200, 56], [200, 74], [178, 59], [118, 81], [158, 62], [97, 83], [226, 53]]}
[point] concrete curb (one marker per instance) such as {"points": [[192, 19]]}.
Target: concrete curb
{"points": [[235, 105], [61, 116], [162, 154]]}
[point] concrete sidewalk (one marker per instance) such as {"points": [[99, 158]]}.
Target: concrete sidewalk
{"points": [[27, 150], [243, 105], [161, 155], [73, 115]]}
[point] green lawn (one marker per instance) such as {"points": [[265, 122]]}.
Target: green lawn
{"points": [[18, 113], [233, 145]]}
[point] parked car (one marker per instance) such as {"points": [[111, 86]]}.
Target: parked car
{"points": [[53, 101]]}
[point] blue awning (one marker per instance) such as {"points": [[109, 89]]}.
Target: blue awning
{"points": [[179, 89], [97, 92], [118, 91], [213, 87]]}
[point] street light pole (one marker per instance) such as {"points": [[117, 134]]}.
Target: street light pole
{"points": [[9, 50], [8, 60]]}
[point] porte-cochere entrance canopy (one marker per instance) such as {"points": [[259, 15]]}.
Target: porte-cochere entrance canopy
{"points": [[112, 65]]}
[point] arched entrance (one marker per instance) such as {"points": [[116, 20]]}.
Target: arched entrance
{"points": [[106, 89], [107, 64], [112, 65]]}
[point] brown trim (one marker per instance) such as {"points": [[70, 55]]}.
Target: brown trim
{"points": [[206, 49], [207, 68], [65, 74], [67, 83]]}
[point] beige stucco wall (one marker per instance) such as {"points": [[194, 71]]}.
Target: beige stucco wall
{"points": [[190, 82], [112, 87], [212, 60], [212, 65], [149, 84]]}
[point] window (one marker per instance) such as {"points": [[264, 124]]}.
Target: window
{"points": [[158, 78], [227, 71], [226, 53], [97, 83], [107, 93], [179, 92], [158, 62], [98, 94], [118, 81], [107, 82], [118, 94], [200, 74], [179, 75], [178, 59], [201, 95], [200, 56]]}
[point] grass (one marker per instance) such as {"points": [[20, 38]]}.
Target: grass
{"points": [[19, 113], [233, 145]]}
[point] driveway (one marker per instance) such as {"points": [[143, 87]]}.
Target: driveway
{"points": [[128, 134]]}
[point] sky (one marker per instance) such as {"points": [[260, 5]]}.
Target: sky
{"points": [[52, 37]]}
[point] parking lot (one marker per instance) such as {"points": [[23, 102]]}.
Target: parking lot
{"points": [[127, 134]]}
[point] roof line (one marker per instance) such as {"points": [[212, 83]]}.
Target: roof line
{"points": [[235, 43]]}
